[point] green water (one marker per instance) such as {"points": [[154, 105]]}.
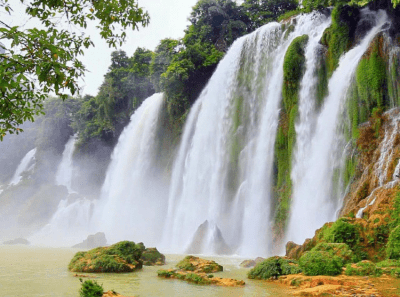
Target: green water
{"points": [[34, 271]]}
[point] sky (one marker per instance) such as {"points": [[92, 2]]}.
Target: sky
{"points": [[168, 19]]}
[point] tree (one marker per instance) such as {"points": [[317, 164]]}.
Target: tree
{"points": [[39, 61]]}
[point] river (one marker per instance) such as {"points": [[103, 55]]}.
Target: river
{"points": [[38, 271]]}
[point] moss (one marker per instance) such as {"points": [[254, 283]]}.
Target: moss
{"points": [[393, 244], [191, 263], [293, 69], [371, 77], [197, 279], [363, 268], [320, 263], [273, 267], [339, 36]]}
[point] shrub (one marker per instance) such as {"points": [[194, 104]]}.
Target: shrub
{"points": [[273, 267], [393, 244], [320, 263], [363, 268], [388, 263], [341, 250], [91, 289], [342, 232]]}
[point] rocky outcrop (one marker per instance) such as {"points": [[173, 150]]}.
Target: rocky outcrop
{"points": [[92, 241], [17, 241], [208, 237], [195, 264], [195, 270], [151, 257], [251, 263]]}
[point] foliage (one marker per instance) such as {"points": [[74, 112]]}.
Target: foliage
{"points": [[363, 268], [215, 24], [393, 244], [341, 250], [320, 263], [264, 11], [273, 267], [342, 231], [91, 289], [41, 61], [388, 263]]}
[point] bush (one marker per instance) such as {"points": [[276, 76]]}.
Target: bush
{"points": [[363, 268], [388, 263], [320, 263], [91, 289], [393, 244], [342, 232], [273, 267], [341, 250]]}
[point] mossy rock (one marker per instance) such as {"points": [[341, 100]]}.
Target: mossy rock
{"points": [[195, 264], [393, 244], [363, 268], [200, 278], [274, 267], [151, 257], [123, 256], [320, 263]]}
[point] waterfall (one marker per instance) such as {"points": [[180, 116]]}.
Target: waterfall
{"points": [[314, 162], [26, 164], [223, 171], [64, 170], [132, 202], [68, 226]]}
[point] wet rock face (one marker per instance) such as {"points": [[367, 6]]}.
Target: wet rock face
{"points": [[208, 238], [93, 241]]}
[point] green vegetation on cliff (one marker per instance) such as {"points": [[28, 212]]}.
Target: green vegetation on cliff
{"points": [[293, 69]]}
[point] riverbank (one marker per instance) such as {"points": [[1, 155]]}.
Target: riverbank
{"points": [[342, 285]]}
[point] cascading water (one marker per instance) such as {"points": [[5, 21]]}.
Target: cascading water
{"points": [[25, 165], [132, 203], [223, 170], [64, 170], [315, 162]]}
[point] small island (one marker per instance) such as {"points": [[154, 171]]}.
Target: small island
{"points": [[124, 256], [196, 270]]}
